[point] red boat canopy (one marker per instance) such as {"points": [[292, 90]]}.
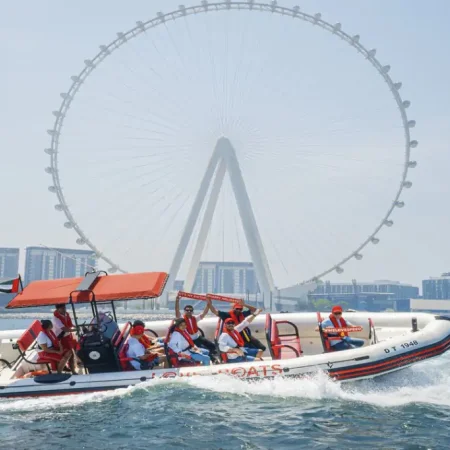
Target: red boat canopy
{"points": [[106, 289]]}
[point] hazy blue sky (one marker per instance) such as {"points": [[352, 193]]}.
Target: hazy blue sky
{"points": [[315, 129]]}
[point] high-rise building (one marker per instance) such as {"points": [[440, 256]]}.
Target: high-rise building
{"points": [[373, 295], [437, 288], [9, 262], [226, 278], [49, 264]]}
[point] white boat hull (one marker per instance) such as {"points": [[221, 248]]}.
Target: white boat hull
{"points": [[398, 348]]}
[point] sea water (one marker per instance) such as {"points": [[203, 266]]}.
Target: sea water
{"points": [[407, 410]]}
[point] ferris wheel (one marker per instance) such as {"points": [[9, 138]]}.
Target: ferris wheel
{"points": [[138, 144]]}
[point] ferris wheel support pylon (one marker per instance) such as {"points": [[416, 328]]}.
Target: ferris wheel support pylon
{"points": [[223, 160], [205, 226]]}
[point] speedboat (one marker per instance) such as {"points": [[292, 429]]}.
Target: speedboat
{"points": [[297, 346]]}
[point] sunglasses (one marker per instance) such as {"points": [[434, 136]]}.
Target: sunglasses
{"points": [[189, 310], [338, 313], [232, 324]]}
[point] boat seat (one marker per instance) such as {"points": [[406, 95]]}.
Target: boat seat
{"points": [[120, 337], [282, 346], [26, 342], [120, 343], [124, 360]]}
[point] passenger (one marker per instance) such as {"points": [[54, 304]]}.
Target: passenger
{"points": [[156, 345], [157, 342], [336, 320], [52, 348], [192, 327], [63, 327], [181, 343], [238, 316], [143, 358], [232, 343]]}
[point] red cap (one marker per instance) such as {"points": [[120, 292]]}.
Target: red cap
{"points": [[336, 309], [139, 329], [238, 306], [229, 320]]}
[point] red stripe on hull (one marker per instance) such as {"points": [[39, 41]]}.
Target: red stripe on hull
{"points": [[398, 362]]}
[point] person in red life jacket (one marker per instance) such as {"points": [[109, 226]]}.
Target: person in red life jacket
{"points": [[63, 327], [232, 343], [139, 349], [181, 343], [154, 345], [192, 327], [336, 320], [52, 349], [238, 315]]}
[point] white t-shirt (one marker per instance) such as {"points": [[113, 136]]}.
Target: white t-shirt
{"points": [[44, 339], [135, 350]]}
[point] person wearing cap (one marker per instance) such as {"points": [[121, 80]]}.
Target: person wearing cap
{"points": [[336, 320], [232, 343], [142, 358], [238, 315], [181, 344], [192, 327]]}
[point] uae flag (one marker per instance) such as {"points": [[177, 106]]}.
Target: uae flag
{"points": [[9, 286]]}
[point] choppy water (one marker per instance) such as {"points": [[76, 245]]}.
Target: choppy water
{"points": [[407, 410]]}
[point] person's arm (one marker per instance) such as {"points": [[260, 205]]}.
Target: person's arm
{"points": [[212, 308], [247, 321], [43, 343], [205, 311], [57, 323], [177, 307], [48, 349]]}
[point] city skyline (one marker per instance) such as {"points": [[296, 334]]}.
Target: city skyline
{"points": [[17, 266]]}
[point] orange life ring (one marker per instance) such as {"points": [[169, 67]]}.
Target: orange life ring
{"points": [[35, 373]]}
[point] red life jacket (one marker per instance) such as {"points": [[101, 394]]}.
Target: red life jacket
{"points": [[343, 324], [236, 336], [237, 319], [186, 335], [191, 324], [65, 320], [53, 338], [145, 341]]}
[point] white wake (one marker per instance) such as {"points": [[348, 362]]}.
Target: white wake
{"points": [[426, 383]]}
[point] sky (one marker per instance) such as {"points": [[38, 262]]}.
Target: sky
{"points": [[315, 130]]}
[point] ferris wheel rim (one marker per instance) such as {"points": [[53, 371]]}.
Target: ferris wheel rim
{"points": [[203, 8]]}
